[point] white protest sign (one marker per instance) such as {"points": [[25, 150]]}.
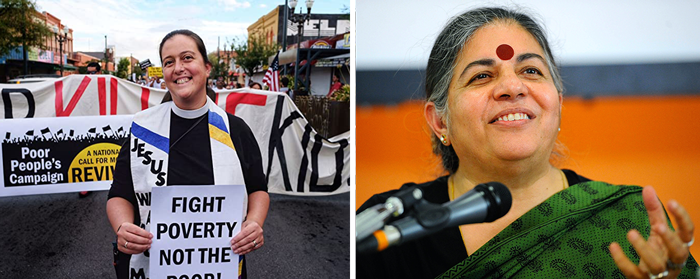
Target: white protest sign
{"points": [[192, 227]]}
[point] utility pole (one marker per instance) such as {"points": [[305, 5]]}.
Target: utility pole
{"points": [[24, 50], [284, 30], [106, 61]]}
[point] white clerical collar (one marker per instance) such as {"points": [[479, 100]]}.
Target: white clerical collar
{"points": [[191, 114]]}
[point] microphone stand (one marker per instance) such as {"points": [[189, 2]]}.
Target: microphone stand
{"points": [[375, 217]]}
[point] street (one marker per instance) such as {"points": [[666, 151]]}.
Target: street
{"points": [[62, 236]]}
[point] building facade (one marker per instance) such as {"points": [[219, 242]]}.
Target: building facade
{"points": [[47, 59], [271, 26]]}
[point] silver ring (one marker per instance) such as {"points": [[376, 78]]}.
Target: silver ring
{"points": [[660, 275], [691, 242], [255, 244], [675, 266], [125, 244]]}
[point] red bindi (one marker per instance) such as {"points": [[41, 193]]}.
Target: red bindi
{"points": [[505, 52]]}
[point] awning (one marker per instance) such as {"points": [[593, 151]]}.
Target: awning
{"points": [[68, 67], [290, 56], [342, 56]]}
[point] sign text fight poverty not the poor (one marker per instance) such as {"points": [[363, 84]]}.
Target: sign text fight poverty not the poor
{"points": [[192, 227]]}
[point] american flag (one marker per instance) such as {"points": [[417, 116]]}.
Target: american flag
{"points": [[272, 76]]}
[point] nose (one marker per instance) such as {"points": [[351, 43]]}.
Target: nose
{"points": [[509, 86], [179, 66]]}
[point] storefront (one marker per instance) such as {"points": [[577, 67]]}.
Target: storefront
{"points": [[38, 62]]}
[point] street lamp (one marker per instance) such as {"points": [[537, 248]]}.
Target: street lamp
{"points": [[299, 19], [61, 38]]}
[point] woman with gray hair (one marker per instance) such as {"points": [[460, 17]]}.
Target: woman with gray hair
{"points": [[493, 103]]}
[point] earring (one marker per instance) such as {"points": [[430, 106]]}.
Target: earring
{"points": [[443, 139], [559, 129]]}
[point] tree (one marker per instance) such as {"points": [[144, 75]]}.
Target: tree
{"points": [[253, 53], [137, 70], [123, 68], [19, 26], [217, 69]]}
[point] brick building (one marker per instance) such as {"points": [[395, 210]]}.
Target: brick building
{"points": [[46, 59]]}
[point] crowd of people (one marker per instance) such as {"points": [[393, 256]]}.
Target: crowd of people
{"points": [[220, 84]]}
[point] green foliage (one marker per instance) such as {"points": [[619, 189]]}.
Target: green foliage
{"points": [[291, 82], [19, 27], [123, 68], [137, 70], [342, 94], [217, 69], [253, 53]]}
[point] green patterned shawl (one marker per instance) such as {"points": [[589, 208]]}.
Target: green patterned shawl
{"points": [[567, 236]]}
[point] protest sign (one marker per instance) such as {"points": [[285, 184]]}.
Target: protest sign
{"points": [[192, 227], [145, 64], [155, 72]]}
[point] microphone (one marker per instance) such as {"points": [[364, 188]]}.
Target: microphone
{"points": [[375, 217], [485, 203]]}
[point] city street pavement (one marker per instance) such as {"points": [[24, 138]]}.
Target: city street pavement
{"points": [[62, 236]]}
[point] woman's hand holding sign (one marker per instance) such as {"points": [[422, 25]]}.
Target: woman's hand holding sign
{"points": [[250, 238], [132, 239]]}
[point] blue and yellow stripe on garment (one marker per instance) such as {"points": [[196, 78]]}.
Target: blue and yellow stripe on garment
{"points": [[218, 131], [240, 266], [151, 138]]}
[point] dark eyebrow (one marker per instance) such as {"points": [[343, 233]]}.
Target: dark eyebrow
{"points": [[526, 56], [482, 62]]}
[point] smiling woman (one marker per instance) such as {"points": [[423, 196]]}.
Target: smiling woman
{"points": [[186, 141], [185, 69], [493, 105]]}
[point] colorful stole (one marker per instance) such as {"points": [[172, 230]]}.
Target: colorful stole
{"points": [[566, 236], [150, 141]]}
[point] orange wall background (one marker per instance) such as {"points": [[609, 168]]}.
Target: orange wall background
{"points": [[621, 140]]}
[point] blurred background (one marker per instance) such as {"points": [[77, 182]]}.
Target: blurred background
{"points": [[631, 71]]}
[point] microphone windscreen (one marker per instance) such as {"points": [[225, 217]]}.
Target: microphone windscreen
{"points": [[499, 198]]}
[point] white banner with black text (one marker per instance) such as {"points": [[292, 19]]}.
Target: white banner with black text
{"points": [[63, 135]]}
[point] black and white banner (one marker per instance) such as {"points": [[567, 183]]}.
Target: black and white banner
{"points": [[38, 119]]}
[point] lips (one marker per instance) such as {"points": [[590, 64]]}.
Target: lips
{"points": [[513, 114]]}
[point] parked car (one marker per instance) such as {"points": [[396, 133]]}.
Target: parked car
{"points": [[33, 78]]}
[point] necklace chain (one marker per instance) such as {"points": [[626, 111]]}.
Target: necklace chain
{"points": [[188, 130]]}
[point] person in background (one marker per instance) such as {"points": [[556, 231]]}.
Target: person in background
{"points": [[219, 84], [256, 85], [93, 68], [157, 83], [335, 85], [285, 85]]}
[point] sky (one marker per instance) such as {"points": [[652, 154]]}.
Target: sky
{"points": [[137, 27], [587, 32]]}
